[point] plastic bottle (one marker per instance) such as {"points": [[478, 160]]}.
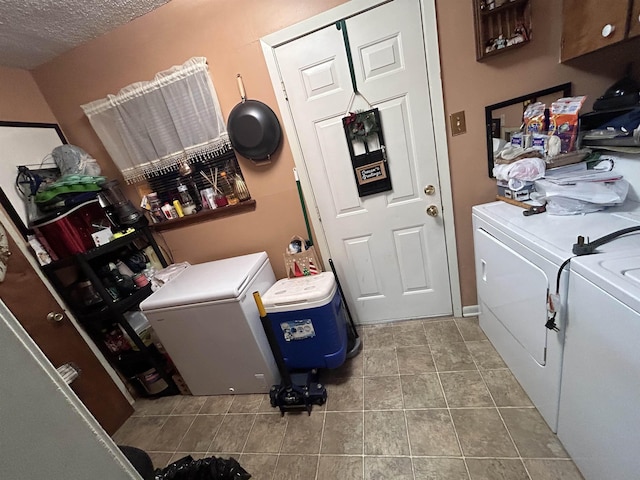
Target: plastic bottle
{"points": [[187, 203], [178, 207], [123, 283], [240, 188], [169, 211], [227, 189], [156, 208]]}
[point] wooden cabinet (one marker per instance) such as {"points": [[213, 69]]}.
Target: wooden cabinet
{"points": [[634, 19], [589, 25], [501, 25]]}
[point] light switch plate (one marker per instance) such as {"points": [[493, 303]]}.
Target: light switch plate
{"points": [[458, 123]]}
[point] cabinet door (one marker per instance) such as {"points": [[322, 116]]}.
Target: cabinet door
{"points": [[588, 25], [634, 19], [30, 301]]}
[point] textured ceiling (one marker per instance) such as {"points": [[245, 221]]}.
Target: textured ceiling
{"points": [[33, 32]]}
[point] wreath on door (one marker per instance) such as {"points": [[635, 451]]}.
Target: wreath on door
{"points": [[363, 129]]}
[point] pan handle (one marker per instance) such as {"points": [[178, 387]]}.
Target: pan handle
{"points": [[243, 94]]}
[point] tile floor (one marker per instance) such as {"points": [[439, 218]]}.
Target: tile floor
{"points": [[425, 399]]}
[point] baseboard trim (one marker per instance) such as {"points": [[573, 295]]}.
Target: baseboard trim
{"points": [[471, 311]]}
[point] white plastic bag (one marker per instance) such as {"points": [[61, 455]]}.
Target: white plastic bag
{"points": [[527, 169], [161, 277], [581, 197], [73, 160]]}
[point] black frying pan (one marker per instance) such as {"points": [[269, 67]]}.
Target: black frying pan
{"points": [[254, 129]]}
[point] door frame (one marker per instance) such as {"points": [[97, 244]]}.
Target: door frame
{"points": [[269, 44]]}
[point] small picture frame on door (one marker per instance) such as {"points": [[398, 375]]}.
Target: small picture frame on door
{"points": [[371, 172]]}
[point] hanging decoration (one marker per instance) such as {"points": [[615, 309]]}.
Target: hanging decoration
{"points": [[364, 138], [364, 134], [361, 126]]}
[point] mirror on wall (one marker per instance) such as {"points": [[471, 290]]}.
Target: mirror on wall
{"points": [[29, 144], [505, 118]]}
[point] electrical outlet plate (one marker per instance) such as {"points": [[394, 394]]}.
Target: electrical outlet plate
{"points": [[458, 123]]}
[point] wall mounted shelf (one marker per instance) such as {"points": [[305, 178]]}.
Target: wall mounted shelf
{"points": [[500, 26], [204, 216]]}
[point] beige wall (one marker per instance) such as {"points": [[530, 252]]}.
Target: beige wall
{"points": [[20, 98], [470, 85], [227, 32]]}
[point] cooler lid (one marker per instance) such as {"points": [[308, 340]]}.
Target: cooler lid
{"points": [[205, 282], [300, 293]]}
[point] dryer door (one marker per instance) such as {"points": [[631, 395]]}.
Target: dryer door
{"points": [[514, 290]]}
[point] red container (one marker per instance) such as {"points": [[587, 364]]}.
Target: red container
{"points": [[69, 233]]}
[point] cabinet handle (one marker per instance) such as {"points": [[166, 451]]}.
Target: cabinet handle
{"points": [[608, 30]]}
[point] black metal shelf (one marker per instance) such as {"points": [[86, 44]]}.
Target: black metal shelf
{"points": [[120, 306], [109, 310], [594, 120]]}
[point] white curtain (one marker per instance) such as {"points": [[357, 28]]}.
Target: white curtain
{"points": [[149, 128]]}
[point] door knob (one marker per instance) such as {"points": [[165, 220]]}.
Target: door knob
{"points": [[607, 30], [429, 190], [432, 211], [55, 317]]}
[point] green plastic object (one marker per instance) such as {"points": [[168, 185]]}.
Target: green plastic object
{"points": [[69, 184]]}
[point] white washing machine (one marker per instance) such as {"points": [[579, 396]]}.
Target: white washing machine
{"points": [[599, 419], [517, 259]]}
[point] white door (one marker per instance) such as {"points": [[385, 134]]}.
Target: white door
{"points": [[390, 255]]}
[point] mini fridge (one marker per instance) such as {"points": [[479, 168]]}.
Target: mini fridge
{"points": [[208, 322]]}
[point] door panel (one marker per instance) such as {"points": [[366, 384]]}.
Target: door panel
{"points": [[391, 256], [515, 291], [583, 21], [409, 244], [338, 175], [30, 301], [361, 261], [396, 112], [381, 57]]}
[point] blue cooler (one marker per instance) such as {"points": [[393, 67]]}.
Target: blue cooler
{"points": [[308, 319]]}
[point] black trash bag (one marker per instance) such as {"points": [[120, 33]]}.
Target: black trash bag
{"points": [[140, 460], [210, 468]]}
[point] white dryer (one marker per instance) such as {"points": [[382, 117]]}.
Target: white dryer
{"points": [[517, 259], [599, 419]]}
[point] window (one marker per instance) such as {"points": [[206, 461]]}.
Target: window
{"points": [[149, 127], [212, 166], [152, 129]]}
